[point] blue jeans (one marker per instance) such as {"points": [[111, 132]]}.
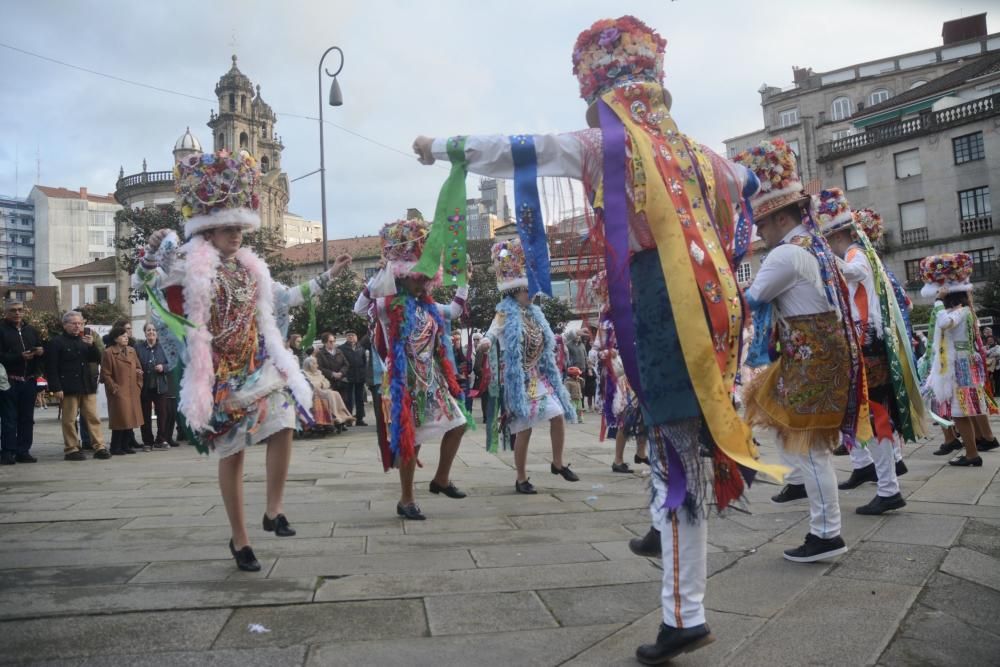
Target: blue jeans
{"points": [[17, 417]]}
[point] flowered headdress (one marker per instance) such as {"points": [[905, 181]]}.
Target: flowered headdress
{"points": [[402, 244], [218, 190], [831, 211], [869, 221], [949, 270], [508, 263], [773, 162], [614, 51]]}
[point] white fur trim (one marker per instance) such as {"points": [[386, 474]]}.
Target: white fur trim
{"points": [[505, 285], [762, 196], [841, 222], [244, 218], [931, 289]]}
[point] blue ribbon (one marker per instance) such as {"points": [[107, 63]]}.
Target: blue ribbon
{"points": [[530, 226]]}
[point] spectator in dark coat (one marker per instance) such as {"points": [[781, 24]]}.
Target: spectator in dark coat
{"points": [[21, 353], [155, 390], [354, 393], [67, 358]]}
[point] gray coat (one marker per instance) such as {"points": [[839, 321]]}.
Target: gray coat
{"points": [[148, 359]]}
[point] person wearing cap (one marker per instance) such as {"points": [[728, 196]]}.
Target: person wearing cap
{"points": [[955, 385], [664, 205], [422, 397], [574, 385], [894, 405], [811, 396], [529, 389], [240, 385]]}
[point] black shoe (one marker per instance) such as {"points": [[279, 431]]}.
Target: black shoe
{"points": [[117, 451], [859, 476], [566, 473], [245, 558], [948, 447], [173, 443], [278, 525], [640, 459], [525, 487], [901, 469], [128, 450], [649, 545], [963, 462], [789, 493], [25, 458], [671, 642], [361, 422], [7, 459], [75, 456], [841, 450], [451, 490], [881, 505], [987, 445], [411, 512], [816, 548], [160, 446], [620, 467], [103, 454]]}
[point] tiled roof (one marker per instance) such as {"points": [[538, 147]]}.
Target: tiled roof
{"points": [[63, 193], [360, 247], [981, 66], [98, 266], [44, 299]]}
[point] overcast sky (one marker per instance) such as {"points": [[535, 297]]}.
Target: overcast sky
{"points": [[432, 67]]}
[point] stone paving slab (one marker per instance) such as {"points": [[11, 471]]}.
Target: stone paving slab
{"points": [[597, 605], [921, 643], [966, 601], [434, 542], [982, 536], [540, 554], [197, 570], [930, 529], [84, 575], [324, 623], [148, 597], [532, 648], [479, 613], [263, 657], [892, 562], [341, 565], [974, 566], [81, 636]]}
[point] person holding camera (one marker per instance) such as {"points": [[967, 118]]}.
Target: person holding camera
{"points": [[69, 356], [21, 357]]}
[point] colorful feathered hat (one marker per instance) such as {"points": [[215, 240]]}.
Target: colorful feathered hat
{"points": [[949, 270], [218, 190], [774, 164], [402, 244], [616, 51], [508, 264], [832, 212], [869, 221]]}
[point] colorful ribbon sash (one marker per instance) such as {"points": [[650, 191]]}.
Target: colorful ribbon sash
{"points": [[530, 226], [447, 238]]}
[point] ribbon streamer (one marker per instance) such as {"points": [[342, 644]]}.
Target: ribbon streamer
{"points": [[447, 237], [530, 225], [311, 307]]}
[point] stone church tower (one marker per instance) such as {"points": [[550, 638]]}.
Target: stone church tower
{"points": [[246, 122]]}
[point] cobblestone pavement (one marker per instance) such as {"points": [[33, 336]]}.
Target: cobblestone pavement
{"points": [[125, 562]]}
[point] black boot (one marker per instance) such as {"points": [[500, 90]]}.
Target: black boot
{"points": [[671, 642], [649, 545], [859, 476]]}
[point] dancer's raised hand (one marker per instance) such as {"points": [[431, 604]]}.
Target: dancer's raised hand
{"points": [[422, 147]]}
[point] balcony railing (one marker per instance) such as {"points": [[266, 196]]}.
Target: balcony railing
{"points": [[975, 225], [145, 178], [915, 235], [925, 123]]}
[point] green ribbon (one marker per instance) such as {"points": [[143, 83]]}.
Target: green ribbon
{"points": [[447, 239], [176, 323], [311, 307]]}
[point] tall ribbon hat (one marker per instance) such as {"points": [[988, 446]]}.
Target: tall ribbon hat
{"points": [[218, 190], [869, 221], [832, 212], [949, 270], [508, 264], [774, 164]]}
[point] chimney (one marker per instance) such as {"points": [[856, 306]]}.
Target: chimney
{"points": [[801, 74], [963, 29], [83, 193]]}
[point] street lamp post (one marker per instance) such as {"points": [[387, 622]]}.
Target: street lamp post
{"points": [[335, 100]]}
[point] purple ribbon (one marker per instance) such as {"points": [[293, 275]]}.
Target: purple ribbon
{"points": [[616, 258]]}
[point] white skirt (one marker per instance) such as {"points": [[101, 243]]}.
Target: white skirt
{"points": [[543, 409], [435, 430]]}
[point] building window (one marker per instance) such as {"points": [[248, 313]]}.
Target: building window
{"points": [[907, 163], [913, 271], [788, 117], [744, 272], [244, 140], [265, 164], [25, 263], [913, 220], [232, 101], [243, 103], [101, 295], [855, 176], [27, 221], [26, 240], [96, 238], [968, 148], [840, 134], [841, 108], [878, 96], [110, 240], [222, 141], [793, 146], [370, 273], [984, 264], [974, 203]]}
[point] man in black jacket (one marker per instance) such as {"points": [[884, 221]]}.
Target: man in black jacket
{"points": [[155, 392], [67, 361], [21, 356], [354, 393]]}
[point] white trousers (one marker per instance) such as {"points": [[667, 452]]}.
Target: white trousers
{"points": [[884, 456], [897, 447], [792, 461], [860, 457], [817, 473], [685, 553]]}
